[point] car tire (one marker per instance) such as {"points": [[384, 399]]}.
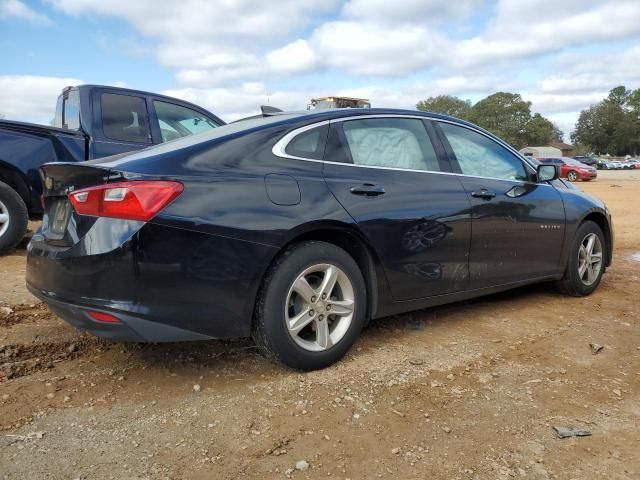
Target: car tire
{"points": [[577, 281], [285, 304], [13, 218], [572, 176]]}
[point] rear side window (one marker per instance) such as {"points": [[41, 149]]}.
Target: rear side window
{"points": [[391, 142], [309, 144], [480, 156], [71, 111], [177, 121], [124, 118]]}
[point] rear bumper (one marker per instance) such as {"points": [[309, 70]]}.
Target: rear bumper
{"points": [[129, 329], [162, 283]]}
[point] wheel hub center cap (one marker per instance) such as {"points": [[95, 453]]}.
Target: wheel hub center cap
{"points": [[321, 306]]}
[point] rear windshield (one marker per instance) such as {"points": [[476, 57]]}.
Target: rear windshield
{"points": [[68, 110], [571, 161], [71, 111], [219, 132]]}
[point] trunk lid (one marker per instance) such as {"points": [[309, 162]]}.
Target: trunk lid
{"points": [[61, 226]]}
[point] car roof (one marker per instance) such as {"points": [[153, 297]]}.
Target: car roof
{"points": [[280, 119], [125, 90]]}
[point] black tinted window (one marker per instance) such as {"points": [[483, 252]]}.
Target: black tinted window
{"points": [[309, 144], [390, 142], [124, 118], [480, 156]]}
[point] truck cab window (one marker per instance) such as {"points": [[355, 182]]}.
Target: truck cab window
{"points": [[124, 118]]}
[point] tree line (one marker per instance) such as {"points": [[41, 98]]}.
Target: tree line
{"points": [[504, 114], [610, 126]]}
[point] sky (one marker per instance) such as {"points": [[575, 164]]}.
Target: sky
{"points": [[231, 56]]}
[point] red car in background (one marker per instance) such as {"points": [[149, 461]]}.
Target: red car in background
{"points": [[572, 169]]}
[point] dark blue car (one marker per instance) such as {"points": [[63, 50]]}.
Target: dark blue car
{"points": [[297, 228]]}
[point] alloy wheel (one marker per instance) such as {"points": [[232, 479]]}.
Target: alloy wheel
{"points": [[320, 307], [590, 259], [4, 219], [572, 176]]}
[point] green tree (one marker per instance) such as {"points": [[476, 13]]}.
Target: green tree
{"points": [[633, 102], [506, 115], [541, 131], [612, 125], [619, 96], [445, 104]]}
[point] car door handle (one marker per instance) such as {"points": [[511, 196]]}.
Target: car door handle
{"points": [[367, 189], [484, 193]]}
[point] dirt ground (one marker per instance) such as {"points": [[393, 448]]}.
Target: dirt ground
{"points": [[466, 391]]}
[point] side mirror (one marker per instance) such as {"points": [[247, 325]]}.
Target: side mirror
{"points": [[546, 173]]}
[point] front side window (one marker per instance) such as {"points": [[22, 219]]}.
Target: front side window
{"points": [[124, 118], [390, 142], [479, 156], [177, 121]]}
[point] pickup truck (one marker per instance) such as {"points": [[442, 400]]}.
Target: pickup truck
{"points": [[91, 121]]}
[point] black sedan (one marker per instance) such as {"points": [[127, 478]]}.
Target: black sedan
{"points": [[297, 228]]}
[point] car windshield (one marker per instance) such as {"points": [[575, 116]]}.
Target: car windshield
{"points": [[571, 161]]}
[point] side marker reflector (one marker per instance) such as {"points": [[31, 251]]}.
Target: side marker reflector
{"points": [[103, 317]]}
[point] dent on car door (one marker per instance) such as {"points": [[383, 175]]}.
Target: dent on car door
{"points": [[517, 224], [385, 173]]}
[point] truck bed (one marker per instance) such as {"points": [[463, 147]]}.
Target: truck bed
{"points": [[36, 129]]}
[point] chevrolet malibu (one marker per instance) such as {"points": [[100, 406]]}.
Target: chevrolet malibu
{"points": [[298, 228]]}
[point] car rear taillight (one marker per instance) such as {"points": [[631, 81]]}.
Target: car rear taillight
{"points": [[135, 200]]}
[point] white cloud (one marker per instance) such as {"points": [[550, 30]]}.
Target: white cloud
{"points": [[243, 100], [535, 27], [466, 84], [235, 55], [580, 73], [294, 57], [203, 19], [217, 43], [566, 121], [30, 97], [364, 48], [549, 103], [408, 11], [18, 9]]}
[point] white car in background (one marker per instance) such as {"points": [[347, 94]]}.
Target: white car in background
{"points": [[610, 165]]}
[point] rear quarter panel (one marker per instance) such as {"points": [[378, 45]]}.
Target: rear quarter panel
{"points": [[224, 231]]}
